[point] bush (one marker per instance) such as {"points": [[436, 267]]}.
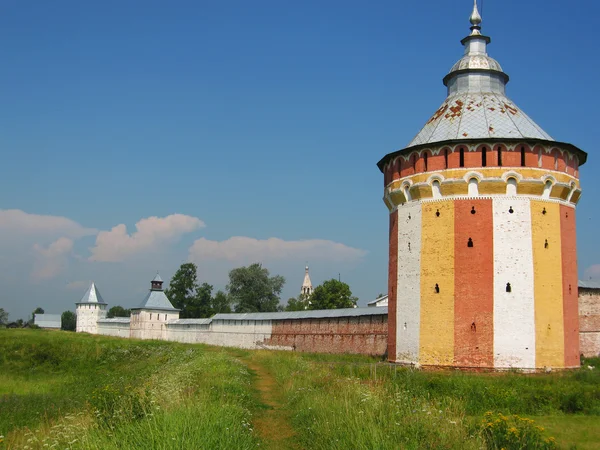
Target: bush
{"points": [[513, 433]]}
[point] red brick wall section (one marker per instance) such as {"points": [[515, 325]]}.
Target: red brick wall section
{"points": [[569, 282], [392, 284], [365, 335], [473, 284]]}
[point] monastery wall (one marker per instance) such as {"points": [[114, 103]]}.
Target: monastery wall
{"points": [[365, 335], [589, 322], [119, 327]]}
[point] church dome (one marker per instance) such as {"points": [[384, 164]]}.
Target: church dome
{"points": [[476, 62], [477, 106]]}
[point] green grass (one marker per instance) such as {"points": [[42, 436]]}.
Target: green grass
{"points": [[72, 390], [76, 391], [358, 404]]}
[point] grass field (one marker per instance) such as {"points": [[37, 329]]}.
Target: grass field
{"points": [[66, 390]]}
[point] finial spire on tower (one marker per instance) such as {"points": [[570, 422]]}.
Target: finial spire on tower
{"points": [[475, 20]]}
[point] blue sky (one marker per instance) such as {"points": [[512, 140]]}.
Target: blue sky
{"points": [[236, 131]]}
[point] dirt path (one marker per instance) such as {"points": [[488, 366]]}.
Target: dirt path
{"points": [[272, 423]]}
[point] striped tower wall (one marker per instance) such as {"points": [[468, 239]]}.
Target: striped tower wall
{"points": [[483, 263]]}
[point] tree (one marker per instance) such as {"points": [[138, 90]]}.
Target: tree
{"points": [[182, 288], [252, 290], [37, 310], [3, 317], [332, 294], [118, 311], [300, 303], [68, 321], [221, 303], [200, 305]]}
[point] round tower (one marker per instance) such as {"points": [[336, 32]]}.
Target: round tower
{"points": [[89, 310], [482, 252]]}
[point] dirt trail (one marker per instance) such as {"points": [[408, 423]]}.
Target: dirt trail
{"points": [[272, 423]]}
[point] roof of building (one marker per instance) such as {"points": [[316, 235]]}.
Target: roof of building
{"points": [[92, 295], [306, 283], [476, 107], [115, 320], [156, 299], [157, 278], [383, 298], [48, 320], [205, 321], [308, 314], [589, 284]]}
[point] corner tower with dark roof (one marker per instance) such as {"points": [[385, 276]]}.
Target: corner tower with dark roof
{"points": [[149, 318], [482, 252]]}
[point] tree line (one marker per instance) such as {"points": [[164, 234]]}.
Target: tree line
{"points": [[250, 289]]}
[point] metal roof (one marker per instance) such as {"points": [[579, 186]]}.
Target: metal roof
{"points": [[478, 115], [309, 314], [477, 106], [205, 321], [156, 300], [115, 320], [157, 278], [48, 320], [377, 300], [589, 284], [92, 295]]}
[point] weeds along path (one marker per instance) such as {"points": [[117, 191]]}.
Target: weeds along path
{"points": [[273, 422]]}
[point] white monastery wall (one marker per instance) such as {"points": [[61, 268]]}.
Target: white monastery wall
{"points": [[408, 291], [107, 327], [514, 314]]}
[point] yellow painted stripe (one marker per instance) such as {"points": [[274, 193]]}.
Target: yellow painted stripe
{"points": [[548, 291], [437, 267]]}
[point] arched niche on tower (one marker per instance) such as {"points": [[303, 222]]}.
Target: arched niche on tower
{"points": [[436, 161], [454, 157], [496, 155], [407, 165]]}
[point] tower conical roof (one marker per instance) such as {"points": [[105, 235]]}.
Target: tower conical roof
{"points": [[476, 106], [306, 283], [92, 295], [156, 298]]}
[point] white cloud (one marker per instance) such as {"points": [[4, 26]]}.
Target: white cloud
{"points": [[16, 222], [117, 245], [240, 249], [51, 261]]}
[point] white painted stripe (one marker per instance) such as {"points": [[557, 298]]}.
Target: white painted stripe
{"points": [[514, 312], [408, 298]]}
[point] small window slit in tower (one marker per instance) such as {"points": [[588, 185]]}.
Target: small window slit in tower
{"points": [[567, 215], [470, 243], [544, 211], [409, 246], [508, 287], [484, 156], [405, 325], [462, 157], [437, 213], [511, 210], [569, 289], [473, 327], [500, 156], [437, 288], [522, 156], [473, 210], [546, 243]]}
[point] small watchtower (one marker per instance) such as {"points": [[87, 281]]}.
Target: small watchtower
{"points": [[89, 310], [149, 318]]}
